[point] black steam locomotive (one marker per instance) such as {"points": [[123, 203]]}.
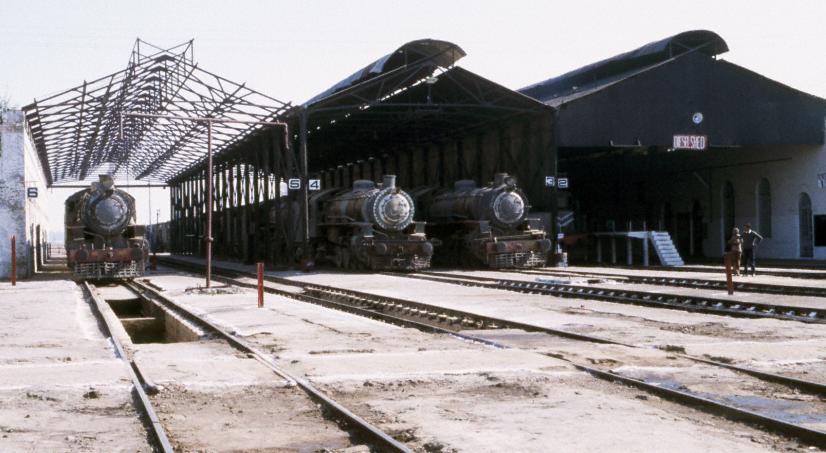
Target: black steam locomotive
{"points": [[367, 227], [486, 225], [102, 239]]}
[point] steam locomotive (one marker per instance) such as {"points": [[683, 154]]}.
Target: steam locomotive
{"points": [[102, 239], [367, 227], [487, 225]]}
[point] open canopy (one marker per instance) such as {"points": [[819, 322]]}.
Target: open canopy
{"points": [[87, 129]]}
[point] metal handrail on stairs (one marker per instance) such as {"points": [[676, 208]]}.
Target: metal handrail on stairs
{"points": [[661, 241]]}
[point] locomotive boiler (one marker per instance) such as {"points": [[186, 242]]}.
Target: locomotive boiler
{"points": [[102, 239], [367, 227], [487, 225]]}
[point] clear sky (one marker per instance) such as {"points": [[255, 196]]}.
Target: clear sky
{"points": [[293, 50]]}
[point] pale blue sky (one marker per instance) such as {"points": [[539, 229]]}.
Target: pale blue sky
{"points": [[293, 50]]}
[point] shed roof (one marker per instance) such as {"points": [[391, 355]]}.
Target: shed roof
{"points": [[414, 94], [646, 96], [595, 76]]}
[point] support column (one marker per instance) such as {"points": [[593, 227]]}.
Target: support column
{"points": [[305, 213], [629, 247], [264, 228], [245, 227], [279, 147]]}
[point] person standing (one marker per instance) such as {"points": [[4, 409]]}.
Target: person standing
{"points": [[751, 239], [735, 249]]}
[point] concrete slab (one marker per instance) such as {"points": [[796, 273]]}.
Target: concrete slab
{"points": [[798, 349], [439, 393], [61, 388], [780, 299], [711, 273]]}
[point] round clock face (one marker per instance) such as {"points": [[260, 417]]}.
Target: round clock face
{"points": [[697, 118]]}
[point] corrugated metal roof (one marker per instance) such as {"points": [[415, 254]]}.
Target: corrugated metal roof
{"points": [[441, 53], [596, 76]]}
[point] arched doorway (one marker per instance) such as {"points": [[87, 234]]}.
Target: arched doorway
{"points": [[804, 208]]}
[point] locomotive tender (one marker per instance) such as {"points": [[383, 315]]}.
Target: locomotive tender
{"points": [[487, 225], [102, 239], [367, 227]]}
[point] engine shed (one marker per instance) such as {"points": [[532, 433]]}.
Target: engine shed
{"points": [[413, 113], [672, 137]]}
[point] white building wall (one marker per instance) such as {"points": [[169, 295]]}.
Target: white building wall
{"points": [[20, 215], [790, 170]]}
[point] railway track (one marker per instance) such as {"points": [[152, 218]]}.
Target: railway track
{"points": [[358, 427], [814, 275], [696, 283], [437, 319], [695, 303], [156, 432]]}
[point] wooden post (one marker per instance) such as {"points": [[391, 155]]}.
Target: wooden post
{"points": [[260, 284], [729, 282], [645, 240], [613, 250], [629, 247], [14, 260]]}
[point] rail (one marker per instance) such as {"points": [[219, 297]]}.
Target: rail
{"points": [[712, 305], [379, 437], [436, 319], [156, 428]]}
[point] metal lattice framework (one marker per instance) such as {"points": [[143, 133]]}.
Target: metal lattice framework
{"points": [[85, 130]]}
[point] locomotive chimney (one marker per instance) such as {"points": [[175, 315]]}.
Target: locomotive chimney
{"points": [[388, 181], [499, 179]]}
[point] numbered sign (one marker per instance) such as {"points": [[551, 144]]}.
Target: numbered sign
{"points": [[550, 181], [563, 183], [31, 192], [314, 184], [294, 184]]}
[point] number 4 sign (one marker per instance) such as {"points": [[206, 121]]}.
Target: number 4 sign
{"points": [[314, 184]]}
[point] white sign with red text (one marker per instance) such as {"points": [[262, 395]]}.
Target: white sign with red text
{"points": [[690, 142]]}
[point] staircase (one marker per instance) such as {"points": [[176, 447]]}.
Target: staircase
{"points": [[664, 246]]}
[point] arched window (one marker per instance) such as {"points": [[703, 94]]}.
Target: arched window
{"points": [[764, 208], [804, 207], [728, 209]]}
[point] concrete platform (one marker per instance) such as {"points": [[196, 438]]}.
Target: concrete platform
{"points": [[804, 277], [780, 299], [439, 391], [61, 387], [791, 348]]}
